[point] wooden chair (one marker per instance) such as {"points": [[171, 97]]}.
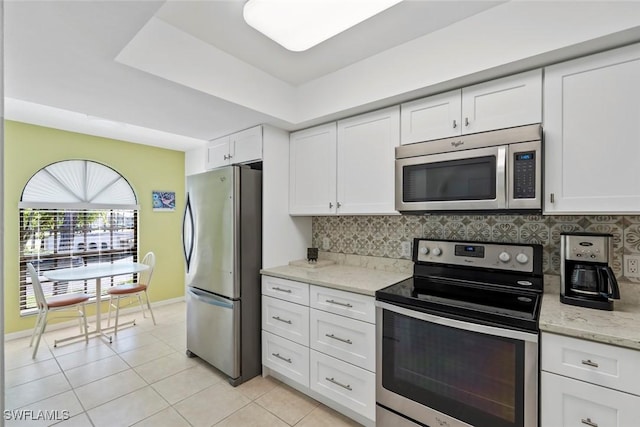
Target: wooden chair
{"points": [[135, 289], [55, 303]]}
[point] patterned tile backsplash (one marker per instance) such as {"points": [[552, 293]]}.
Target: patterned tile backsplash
{"points": [[392, 236]]}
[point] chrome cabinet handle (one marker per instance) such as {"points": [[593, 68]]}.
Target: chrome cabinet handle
{"points": [[332, 380], [330, 301], [339, 339], [338, 204], [590, 363], [466, 121], [589, 422], [281, 320], [280, 357], [330, 205], [455, 124], [225, 157], [552, 198], [275, 288]]}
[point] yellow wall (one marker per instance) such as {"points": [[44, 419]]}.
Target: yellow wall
{"points": [[29, 148]]}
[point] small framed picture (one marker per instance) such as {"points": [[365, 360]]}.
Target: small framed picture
{"points": [[164, 201]]}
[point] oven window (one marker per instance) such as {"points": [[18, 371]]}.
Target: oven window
{"points": [[473, 377], [467, 179]]}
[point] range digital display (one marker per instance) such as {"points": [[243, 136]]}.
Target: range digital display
{"points": [[476, 251]]}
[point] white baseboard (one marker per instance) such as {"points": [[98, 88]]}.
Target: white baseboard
{"points": [[70, 323]]}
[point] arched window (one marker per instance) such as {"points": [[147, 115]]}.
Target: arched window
{"points": [[72, 213]]}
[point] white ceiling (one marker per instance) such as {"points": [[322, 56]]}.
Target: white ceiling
{"points": [[176, 73]]}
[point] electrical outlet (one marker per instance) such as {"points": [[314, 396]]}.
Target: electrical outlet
{"points": [[405, 249], [632, 266], [326, 244]]}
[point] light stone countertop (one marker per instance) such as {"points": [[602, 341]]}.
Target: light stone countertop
{"points": [[349, 278], [619, 327]]}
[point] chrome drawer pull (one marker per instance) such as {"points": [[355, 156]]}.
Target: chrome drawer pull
{"points": [[281, 290], [339, 339], [589, 422], [590, 363], [281, 320], [330, 301], [348, 387], [280, 357]]}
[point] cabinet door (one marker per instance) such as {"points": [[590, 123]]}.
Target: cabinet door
{"points": [[366, 162], [286, 357], [312, 171], [218, 153], [430, 118], [511, 101], [591, 115], [246, 146], [566, 402]]}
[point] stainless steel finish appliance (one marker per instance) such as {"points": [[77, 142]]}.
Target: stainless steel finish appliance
{"points": [[457, 344], [222, 240], [491, 171], [585, 270]]}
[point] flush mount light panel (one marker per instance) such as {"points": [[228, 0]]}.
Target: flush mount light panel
{"points": [[298, 25]]}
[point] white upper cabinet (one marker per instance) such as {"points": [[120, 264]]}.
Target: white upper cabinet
{"points": [[241, 147], [346, 168], [507, 102], [592, 134], [312, 171], [366, 162], [431, 118]]}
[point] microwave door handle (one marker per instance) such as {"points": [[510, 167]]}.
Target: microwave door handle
{"points": [[501, 176]]}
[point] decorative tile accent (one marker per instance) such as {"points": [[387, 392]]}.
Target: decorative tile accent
{"points": [[383, 236]]}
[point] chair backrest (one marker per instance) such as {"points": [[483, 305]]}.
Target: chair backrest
{"points": [[37, 287], [144, 277]]}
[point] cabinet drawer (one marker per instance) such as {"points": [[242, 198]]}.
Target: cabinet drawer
{"points": [[348, 304], [286, 319], [350, 340], [288, 290], [568, 402], [597, 363], [286, 357], [349, 385]]}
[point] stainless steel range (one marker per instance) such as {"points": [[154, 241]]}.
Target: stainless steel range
{"points": [[457, 344]]}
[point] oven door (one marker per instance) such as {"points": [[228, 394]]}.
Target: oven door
{"points": [[446, 372], [463, 180]]}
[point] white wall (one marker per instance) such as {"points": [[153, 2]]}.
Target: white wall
{"points": [[284, 238]]}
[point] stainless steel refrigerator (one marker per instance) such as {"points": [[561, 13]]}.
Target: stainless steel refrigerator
{"points": [[222, 241]]}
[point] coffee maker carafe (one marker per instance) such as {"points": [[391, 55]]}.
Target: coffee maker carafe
{"points": [[585, 271]]}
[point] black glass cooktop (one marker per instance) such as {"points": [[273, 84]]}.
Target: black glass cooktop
{"points": [[467, 300]]}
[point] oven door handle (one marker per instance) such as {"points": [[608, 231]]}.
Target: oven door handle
{"points": [[459, 324]]}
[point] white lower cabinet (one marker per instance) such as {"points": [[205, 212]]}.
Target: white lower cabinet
{"points": [[322, 342], [286, 357], [350, 340], [343, 382], [567, 403], [588, 384]]}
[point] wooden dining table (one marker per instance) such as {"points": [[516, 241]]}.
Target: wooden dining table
{"points": [[97, 272]]}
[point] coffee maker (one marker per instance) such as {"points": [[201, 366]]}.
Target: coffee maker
{"points": [[585, 270]]}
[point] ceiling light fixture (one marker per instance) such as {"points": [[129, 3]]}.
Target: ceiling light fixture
{"points": [[298, 25]]}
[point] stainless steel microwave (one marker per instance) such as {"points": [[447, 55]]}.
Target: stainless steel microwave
{"points": [[496, 171]]}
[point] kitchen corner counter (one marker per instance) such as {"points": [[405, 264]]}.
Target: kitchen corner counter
{"points": [[349, 278], [619, 327]]}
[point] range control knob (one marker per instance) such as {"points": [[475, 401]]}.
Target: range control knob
{"points": [[424, 250], [522, 258], [504, 256], [437, 251]]}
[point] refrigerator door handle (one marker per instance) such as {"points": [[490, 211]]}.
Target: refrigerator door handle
{"points": [[188, 215], [209, 299]]}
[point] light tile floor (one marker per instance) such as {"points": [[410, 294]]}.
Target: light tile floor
{"points": [[144, 378]]}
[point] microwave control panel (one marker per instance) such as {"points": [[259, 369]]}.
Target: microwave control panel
{"points": [[524, 175]]}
